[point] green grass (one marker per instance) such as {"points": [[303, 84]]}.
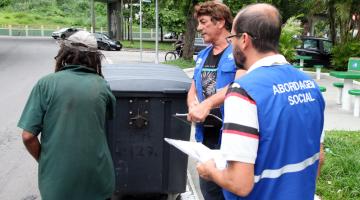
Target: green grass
{"points": [[182, 63], [340, 175], [32, 19], [53, 19], [163, 46]]}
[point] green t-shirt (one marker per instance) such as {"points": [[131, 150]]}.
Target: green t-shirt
{"points": [[69, 109]]}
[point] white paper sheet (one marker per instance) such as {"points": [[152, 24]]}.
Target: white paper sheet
{"points": [[198, 151]]}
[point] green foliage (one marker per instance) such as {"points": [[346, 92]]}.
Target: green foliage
{"points": [[287, 8], [343, 19], [321, 28], [19, 15], [340, 175], [4, 3], [288, 40], [235, 5], [52, 13], [173, 20], [342, 52]]}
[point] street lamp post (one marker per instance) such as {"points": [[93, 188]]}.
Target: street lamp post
{"points": [[156, 32], [140, 32], [147, 1], [92, 16]]}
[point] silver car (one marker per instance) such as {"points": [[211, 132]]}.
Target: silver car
{"points": [[64, 33]]}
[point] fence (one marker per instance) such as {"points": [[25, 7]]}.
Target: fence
{"points": [[28, 31]]}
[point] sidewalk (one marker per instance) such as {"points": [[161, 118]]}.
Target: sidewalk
{"points": [[335, 117]]}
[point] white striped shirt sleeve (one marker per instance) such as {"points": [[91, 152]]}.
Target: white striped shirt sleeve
{"points": [[240, 137]]}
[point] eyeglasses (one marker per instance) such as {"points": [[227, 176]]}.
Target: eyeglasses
{"points": [[238, 35]]}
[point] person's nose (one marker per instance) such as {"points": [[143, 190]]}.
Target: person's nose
{"points": [[199, 27]]}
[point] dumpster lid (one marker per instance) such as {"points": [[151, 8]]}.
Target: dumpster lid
{"points": [[146, 77]]}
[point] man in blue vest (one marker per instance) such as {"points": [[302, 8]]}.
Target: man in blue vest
{"points": [[215, 69], [273, 119]]}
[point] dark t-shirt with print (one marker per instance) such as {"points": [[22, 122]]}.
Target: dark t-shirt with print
{"points": [[208, 78], [209, 74]]}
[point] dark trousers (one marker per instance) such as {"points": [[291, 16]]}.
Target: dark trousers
{"points": [[209, 189]]}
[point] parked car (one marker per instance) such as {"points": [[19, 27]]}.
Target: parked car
{"points": [[199, 45], [318, 48], [170, 36], [64, 33], [105, 43]]}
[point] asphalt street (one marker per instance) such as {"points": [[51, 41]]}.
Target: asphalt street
{"points": [[23, 61]]}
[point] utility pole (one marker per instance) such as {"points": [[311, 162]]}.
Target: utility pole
{"points": [[131, 22], [157, 32], [141, 31], [122, 27], [92, 16]]}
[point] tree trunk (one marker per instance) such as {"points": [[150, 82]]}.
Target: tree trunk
{"points": [[190, 32], [131, 22], [357, 22], [128, 27], [161, 34], [331, 7]]}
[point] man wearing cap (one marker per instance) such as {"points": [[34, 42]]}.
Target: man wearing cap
{"points": [[68, 108]]}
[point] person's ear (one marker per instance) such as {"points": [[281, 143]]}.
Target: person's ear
{"points": [[246, 40], [220, 23]]}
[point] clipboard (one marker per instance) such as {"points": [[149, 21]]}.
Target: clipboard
{"points": [[198, 151]]}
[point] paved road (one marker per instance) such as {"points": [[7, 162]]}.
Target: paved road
{"points": [[21, 64]]}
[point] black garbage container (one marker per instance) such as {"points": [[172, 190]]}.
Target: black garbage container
{"points": [[147, 95]]}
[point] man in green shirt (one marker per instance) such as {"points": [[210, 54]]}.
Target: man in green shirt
{"points": [[69, 109]]}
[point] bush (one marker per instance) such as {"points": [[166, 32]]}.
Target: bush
{"points": [[4, 3], [288, 40], [20, 15], [342, 52]]}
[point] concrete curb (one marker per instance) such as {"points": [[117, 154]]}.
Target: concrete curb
{"points": [[144, 50]]}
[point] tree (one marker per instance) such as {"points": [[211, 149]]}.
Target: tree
{"points": [[4, 3], [170, 19], [287, 40], [189, 36]]}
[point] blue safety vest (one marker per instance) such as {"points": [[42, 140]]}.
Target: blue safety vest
{"points": [[225, 75], [290, 110]]}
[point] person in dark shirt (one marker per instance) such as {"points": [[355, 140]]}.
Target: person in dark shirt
{"points": [[215, 69]]}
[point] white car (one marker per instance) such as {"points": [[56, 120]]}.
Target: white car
{"points": [[170, 36], [64, 33]]}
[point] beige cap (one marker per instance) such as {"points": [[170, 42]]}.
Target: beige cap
{"points": [[82, 37]]}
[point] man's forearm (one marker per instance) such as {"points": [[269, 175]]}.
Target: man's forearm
{"points": [[32, 144], [237, 177], [217, 99], [191, 97], [199, 112]]}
